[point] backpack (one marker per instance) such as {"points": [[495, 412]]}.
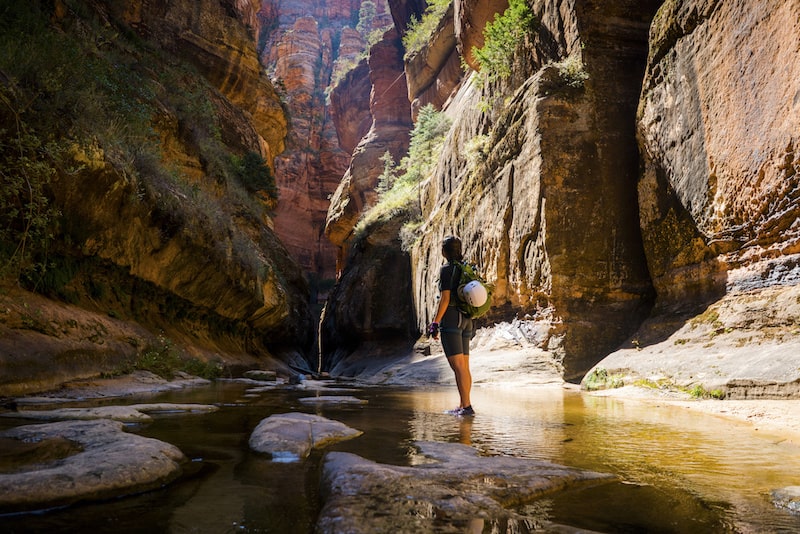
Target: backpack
{"points": [[469, 274]]}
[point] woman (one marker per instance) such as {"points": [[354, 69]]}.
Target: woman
{"points": [[456, 328]]}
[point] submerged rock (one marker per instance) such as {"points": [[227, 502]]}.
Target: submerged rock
{"points": [[102, 462], [136, 413], [458, 491], [788, 498], [291, 436], [333, 399]]}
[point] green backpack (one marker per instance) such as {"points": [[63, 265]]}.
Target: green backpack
{"points": [[469, 274]]}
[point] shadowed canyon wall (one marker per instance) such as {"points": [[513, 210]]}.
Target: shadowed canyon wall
{"points": [[158, 231]]}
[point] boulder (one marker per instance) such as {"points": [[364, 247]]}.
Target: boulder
{"points": [[457, 491], [291, 436], [103, 462]]}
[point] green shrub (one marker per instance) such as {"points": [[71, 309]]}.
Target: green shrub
{"points": [[164, 360], [419, 31], [398, 187], [600, 378], [572, 71], [501, 38], [255, 175]]}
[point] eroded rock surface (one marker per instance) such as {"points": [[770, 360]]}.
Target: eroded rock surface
{"points": [[135, 413], [292, 436], [456, 492], [110, 463]]}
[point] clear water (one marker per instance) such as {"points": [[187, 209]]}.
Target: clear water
{"points": [[680, 471]]}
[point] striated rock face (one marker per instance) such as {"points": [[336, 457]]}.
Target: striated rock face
{"points": [[350, 107], [219, 40], [550, 213], [391, 123], [434, 72], [164, 238], [301, 40], [718, 130], [471, 17]]}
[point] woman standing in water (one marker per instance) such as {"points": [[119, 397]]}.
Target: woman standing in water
{"points": [[455, 327]]}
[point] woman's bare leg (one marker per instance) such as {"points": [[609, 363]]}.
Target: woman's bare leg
{"points": [[459, 363]]}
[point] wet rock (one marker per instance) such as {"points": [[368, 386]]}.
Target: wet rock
{"points": [[135, 413], [333, 399], [788, 497], [291, 436], [457, 491], [110, 463], [258, 374]]}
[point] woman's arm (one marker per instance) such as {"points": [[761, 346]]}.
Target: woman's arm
{"points": [[444, 301]]}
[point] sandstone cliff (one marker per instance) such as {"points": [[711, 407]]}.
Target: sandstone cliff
{"points": [[639, 161], [302, 40], [158, 227]]}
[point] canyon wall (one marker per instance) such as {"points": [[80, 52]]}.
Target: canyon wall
{"points": [[638, 162], [302, 39], [718, 128], [550, 213], [159, 245]]}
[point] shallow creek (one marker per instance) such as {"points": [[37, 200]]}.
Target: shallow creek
{"points": [[680, 471]]}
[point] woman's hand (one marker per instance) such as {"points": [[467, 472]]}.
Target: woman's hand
{"points": [[433, 330]]}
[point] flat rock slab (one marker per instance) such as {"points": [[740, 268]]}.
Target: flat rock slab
{"points": [[458, 491], [135, 413], [105, 461], [333, 399], [292, 436]]}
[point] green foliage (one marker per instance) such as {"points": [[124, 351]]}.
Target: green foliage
{"points": [[699, 392], [164, 360], [389, 174], [254, 174], [366, 14], [600, 378], [501, 38], [398, 186], [426, 141], [419, 31], [27, 216], [572, 72]]}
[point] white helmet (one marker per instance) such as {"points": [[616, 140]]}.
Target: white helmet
{"points": [[474, 294]]}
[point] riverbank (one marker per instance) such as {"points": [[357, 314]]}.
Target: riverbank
{"points": [[502, 358]]}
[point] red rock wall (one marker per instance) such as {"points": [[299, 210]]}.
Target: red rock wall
{"points": [[301, 39]]}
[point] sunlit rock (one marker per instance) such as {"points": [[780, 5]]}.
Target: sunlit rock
{"points": [[720, 194], [389, 132], [291, 436], [455, 490], [104, 462]]}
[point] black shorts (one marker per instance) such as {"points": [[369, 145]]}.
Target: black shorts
{"points": [[456, 331]]}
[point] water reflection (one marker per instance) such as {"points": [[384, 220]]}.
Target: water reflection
{"points": [[679, 471]]}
